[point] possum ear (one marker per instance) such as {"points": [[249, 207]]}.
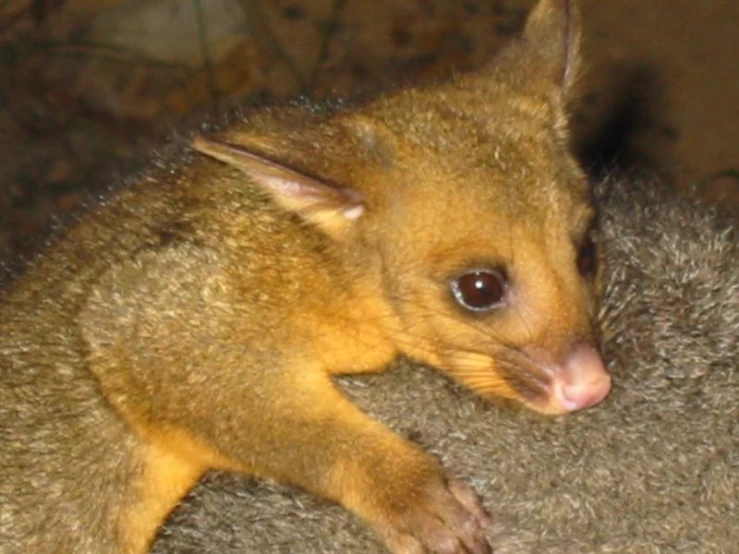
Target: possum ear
{"points": [[331, 208], [552, 38]]}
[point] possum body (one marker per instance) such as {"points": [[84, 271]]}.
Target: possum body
{"points": [[654, 469]]}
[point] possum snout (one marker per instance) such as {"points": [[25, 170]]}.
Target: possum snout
{"points": [[581, 382]]}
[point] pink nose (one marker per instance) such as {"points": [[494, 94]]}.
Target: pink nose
{"points": [[581, 383]]}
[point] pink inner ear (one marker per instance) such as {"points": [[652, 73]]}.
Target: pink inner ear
{"points": [[354, 212], [311, 193], [293, 189], [286, 186], [354, 206]]}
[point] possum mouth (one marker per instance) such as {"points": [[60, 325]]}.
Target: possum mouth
{"points": [[579, 381], [535, 377], [532, 382]]}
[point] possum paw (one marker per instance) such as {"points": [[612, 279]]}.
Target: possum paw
{"points": [[436, 515]]}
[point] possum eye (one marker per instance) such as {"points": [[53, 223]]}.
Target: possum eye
{"points": [[586, 257], [480, 289]]}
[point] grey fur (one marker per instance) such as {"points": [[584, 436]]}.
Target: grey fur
{"points": [[654, 469]]}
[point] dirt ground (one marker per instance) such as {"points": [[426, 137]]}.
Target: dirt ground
{"points": [[88, 85]]}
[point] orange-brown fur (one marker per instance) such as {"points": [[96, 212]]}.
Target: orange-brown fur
{"points": [[205, 306]]}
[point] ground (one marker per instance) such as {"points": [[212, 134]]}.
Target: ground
{"points": [[88, 85]]}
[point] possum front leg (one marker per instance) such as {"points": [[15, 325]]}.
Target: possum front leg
{"points": [[319, 440], [199, 396]]}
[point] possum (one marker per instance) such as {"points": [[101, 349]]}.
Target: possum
{"points": [[653, 469]]}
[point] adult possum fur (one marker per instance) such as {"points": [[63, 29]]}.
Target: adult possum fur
{"points": [[654, 469]]}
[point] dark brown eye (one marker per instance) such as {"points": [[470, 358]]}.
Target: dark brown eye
{"points": [[586, 257], [479, 290]]}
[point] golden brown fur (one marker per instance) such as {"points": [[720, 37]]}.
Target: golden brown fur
{"points": [[195, 319], [652, 470]]}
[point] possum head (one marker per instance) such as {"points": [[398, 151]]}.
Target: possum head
{"points": [[464, 203]]}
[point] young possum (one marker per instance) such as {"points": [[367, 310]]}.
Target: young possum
{"points": [[656, 472], [195, 319]]}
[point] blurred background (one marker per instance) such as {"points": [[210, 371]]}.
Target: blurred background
{"points": [[88, 86]]}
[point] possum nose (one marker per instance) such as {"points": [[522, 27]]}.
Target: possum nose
{"points": [[583, 381]]}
